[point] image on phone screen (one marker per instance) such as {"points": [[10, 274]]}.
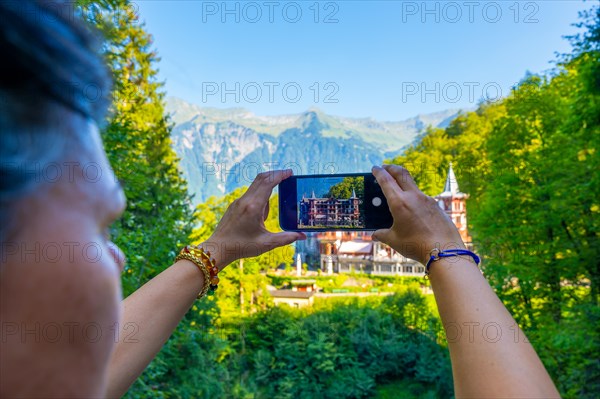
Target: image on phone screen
{"points": [[332, 202]]}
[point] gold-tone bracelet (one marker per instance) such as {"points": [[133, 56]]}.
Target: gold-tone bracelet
{"points": [[188, 253], [212, 268]]}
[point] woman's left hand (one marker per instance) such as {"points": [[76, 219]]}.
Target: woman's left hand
{"points": [[241, 233]]}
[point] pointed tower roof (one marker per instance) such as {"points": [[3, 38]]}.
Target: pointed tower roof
{"points": [[451, 183], [451, 187], [313, 194], [353, 193]]}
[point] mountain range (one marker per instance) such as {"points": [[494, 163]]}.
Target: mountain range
{"points": [[223, 149]]}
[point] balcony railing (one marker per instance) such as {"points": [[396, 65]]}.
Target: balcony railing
{"points": [[366, 264]]}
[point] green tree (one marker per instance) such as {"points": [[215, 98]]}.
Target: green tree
{"points": [[343, 189], [530, 163], [137, 141], [158, 218], [344, 350]]}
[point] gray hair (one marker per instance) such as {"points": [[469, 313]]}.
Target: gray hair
{"points": [[51, 76]]}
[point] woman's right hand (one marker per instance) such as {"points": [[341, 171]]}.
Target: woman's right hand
{"points": [[420, 225], [241, 232]]}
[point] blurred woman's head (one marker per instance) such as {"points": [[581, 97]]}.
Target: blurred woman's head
{"points": [[51, 81], [59, 276]]}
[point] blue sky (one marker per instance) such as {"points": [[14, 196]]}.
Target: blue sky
{"points": [[321, 186], [389, 60]]}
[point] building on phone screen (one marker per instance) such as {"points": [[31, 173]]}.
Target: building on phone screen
{"points": [[347, 251], [330, 212]]}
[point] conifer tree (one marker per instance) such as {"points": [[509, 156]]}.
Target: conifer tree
{"points": [[137, 140]]}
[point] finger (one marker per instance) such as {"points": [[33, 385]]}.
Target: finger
{"points": [[266, 211], [402, 176], [264, 183], [284, 238], [388, 184], [382, 235]]}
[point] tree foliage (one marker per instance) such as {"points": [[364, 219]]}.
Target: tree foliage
{"points": [[138, 144], [530, 163], [344, 189], [343, 350]]}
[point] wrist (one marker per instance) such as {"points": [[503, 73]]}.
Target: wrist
{"points": [[222, 257], [455, 253], [454, 267], [440, 244], [197, 257]]}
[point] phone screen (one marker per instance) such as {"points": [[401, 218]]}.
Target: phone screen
{"points": [[332, 202]]}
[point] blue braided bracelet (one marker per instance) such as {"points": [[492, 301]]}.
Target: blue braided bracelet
{"points": [[448, 253]]}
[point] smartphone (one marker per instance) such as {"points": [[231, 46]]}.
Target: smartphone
{"points": [[352, 201]]}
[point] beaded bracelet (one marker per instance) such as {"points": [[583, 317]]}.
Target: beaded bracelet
{"points": [[191, 254], [437, 254], [212, 268]]}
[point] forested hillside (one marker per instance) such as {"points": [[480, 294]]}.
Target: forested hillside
{"points": [[530, 163], [223, 149]]}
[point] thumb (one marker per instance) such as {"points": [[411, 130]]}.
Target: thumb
{"points": [[382, 235], [285, 238]]}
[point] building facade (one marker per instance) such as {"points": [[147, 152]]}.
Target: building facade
{"points": [[301, 294], [329, 212], [346, 252]]}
